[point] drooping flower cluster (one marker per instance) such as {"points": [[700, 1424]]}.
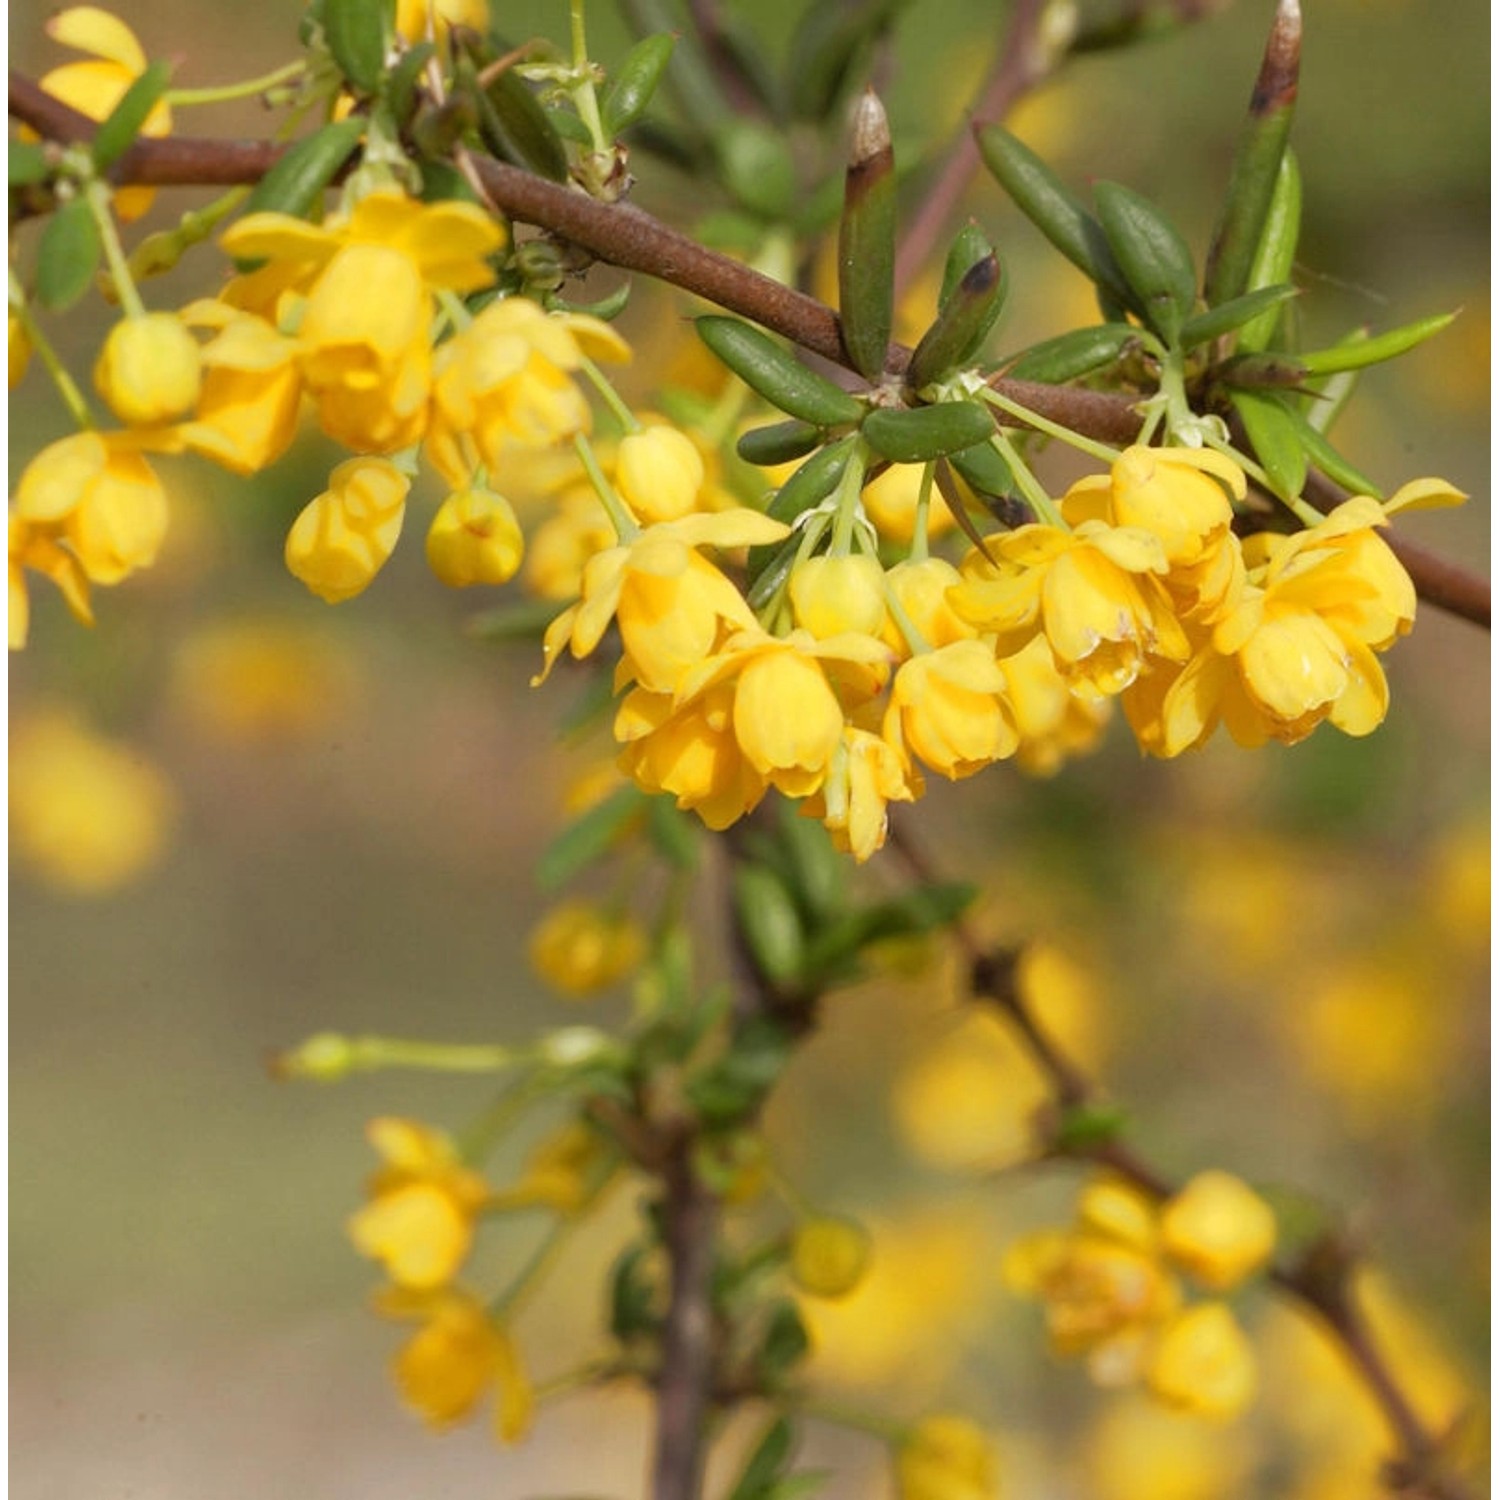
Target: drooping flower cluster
{"points": [[1110, 1288]]}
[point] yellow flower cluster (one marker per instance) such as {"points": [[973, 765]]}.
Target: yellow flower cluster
{"points": [[1112, 1296]]}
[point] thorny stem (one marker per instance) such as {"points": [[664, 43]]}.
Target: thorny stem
{"points": [[1319, 1279], [624, 236]]}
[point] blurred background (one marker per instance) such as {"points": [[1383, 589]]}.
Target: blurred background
{"points": [[240, 816]]}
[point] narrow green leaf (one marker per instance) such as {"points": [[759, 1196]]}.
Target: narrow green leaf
{"points": [[28, 164], [962, 324], [970, 245], [1257, 162], [786, 1340], [1237, 312], [358, 32], [985, 471], [756, 165], [1372, 351], [514, 126], [1041, 196], [296, 183], [123, 124], [569, 127], [1274, 434], [766, 1462], [828, 50], [768, 921], [589, 837], [442, 182], [779, 443], [635, 84], [607, 308], [1326, 457], [927, 432], [67, 256], [867, 240], [401, 87], [1068, 356], [1153, 255], [1275, 254], [771, 371], [814, 481]]}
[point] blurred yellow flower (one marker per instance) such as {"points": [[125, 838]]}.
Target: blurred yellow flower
{"points": [[581, 947], [829, 1256], [411, 16], [561, 1171], [946, 1458], [419, 1223], [458, 1353], [87, 815], [1218, 1230], [1204, 1363], [1137, 1448]]}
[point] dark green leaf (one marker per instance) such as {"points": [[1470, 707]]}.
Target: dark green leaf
{"points": [[962, 325], [567, 125], [984, 470], [1326, 457], [515, 127], [1228, 316], [766, 1462], [1071, 355], [769, 923], [636, 82], [828, 51], [1153, 255], [67, 256], [1273, 433], [358, 32], [771, 371], [927, 432], [123, 124], [785, 1342], [633, 1297], [779, 443], [401, 87], [28, 164], [589, 837], [1275, 254], [295, 184], [867, 241], [815, 480], [442, 182]]}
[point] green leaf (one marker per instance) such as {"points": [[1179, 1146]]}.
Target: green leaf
{"points": [[516, 128], [1040, 195], [1276, 253], [927, 432], [28, 164], [632, 1296], [1071, 355], [779, 443], [769, 923], [589, 837], [1326, 457], [756, 165], [401, 86], [1089, 1125], [634, 85], [569, 127], [815, 480], [123, 124], [674, 834], [786, 1340], [766, 1462], [67, 256], [772, 372], [607, 308], [296, 183], [358, 32], [442, 182], [1274, 434], [984, 469], [867, 241], [828, 52], [1372, 351], [963, 323], [1228, 316], [1153, 255], [814, 867]]}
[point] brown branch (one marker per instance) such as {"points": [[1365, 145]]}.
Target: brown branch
{"points": [[625, 236], [1319, 1278]]}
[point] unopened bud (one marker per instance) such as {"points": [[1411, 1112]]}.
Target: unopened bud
{"points": [[830, 1256], [149, 370]]}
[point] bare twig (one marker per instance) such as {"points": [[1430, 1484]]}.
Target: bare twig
{"points": [[625, 236], [1319, 1278]]}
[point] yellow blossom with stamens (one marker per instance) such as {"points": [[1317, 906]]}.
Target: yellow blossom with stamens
{"points": [[342, 539], [95, 87], [457, 1355], [419, 1223], [246, 416], [474, 538], [948, 709], [1204, 1363]]}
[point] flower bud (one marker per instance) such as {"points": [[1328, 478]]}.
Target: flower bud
{"points": [[659, 473], [474, 538], [946, 1458], [342, 539], [1218, 1230], [324, 1058], [149, 370], [579, 948], [1204, 1363], [829, 1256], [835, 595]]}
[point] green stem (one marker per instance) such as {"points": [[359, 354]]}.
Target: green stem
{"points": [[545, 1256], [851, 483], [1031, 487], [97, 195], [481, 1138], [72, 397], [1052, 429], [585, 101], [918, 552], [1309, 515], [612, 398], [625, 524], [376, 1052], [179, 98]]}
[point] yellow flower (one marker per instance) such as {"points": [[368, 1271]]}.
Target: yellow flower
{"points": [[672, 604], [890, 501], [86, 814], [1137, 1448], [96, 493], [1218, 1230], [1055, 718], [829, 1256], [580, 947], [577, 529], [834, 595], [864, 775], [659, 473], [1299, 647], [246, 416], [948, 708], [1204, 1363], [505, 382], [411, 16], [1095, 593], [946, 1458], [97, 86], [149, 370], [457, 1355], [19, 347], [474, 538], [36, 548], [419, 1223], [561, 1173], [342, 539], [920, 591]]}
